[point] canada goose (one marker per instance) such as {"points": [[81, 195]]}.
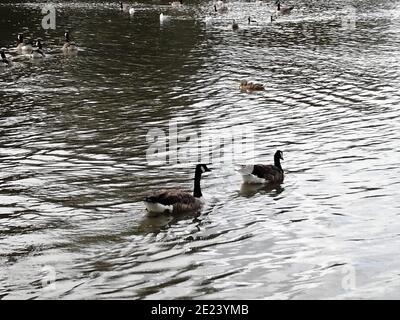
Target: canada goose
{"points": [[235, 26], [3, 61], [282, 9], [250, 21], [175, 200], [21, 46], [259, 173], [250, 86], [37, 52], [69, 46]]}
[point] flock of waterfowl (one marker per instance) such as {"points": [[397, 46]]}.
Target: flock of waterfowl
{"points": [[173, 200], [35, 51], [176, 201]]}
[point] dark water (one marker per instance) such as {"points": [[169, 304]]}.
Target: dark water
{"points": [[73, 167]]}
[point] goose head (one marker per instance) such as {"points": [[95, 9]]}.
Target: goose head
{"points": [[278, 155], [39, 44], [202, 168], [20, 38]]}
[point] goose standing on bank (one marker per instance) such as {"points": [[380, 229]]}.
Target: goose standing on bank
{"points": [[178, 201], [69, 47], [260, 173], [21, 46]]}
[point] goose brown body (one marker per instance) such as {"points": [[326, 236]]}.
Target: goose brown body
{"points": [[175, 200], [260, 173]]}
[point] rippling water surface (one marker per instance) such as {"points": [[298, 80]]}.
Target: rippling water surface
{"points": [[73, 167]]}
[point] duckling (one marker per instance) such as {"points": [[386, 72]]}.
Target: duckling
{"points": [[69, 47], [177, 201], [260, 173], [37, 52], [3, 62], [235, 26], [21, 46], [283, 10], [250, 86]]}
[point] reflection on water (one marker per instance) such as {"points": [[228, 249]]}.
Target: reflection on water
{"points": [[73, 167]]}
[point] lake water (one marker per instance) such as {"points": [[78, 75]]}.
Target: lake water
{"points": [[73, 166]]}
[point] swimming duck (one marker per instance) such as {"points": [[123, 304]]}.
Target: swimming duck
{"points": [[131, 11], [69, 46], [259, 173], [3, 61], [21, 46], [176, 200], [235, 26], [38, 51], [250, 86]]}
